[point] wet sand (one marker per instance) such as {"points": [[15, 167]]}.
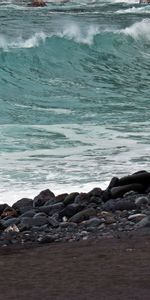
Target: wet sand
{"points": [[106, 268]]}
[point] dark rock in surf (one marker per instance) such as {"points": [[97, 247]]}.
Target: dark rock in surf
{"points": [[23, 205], [119, 191], [43, 197]]}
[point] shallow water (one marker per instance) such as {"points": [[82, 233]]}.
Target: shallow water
{"points": [[74, 95]]}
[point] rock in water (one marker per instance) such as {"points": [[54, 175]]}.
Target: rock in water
{"points": [[37, 3]]}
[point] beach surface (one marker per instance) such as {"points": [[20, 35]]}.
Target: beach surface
{"points": [[98, 269]]}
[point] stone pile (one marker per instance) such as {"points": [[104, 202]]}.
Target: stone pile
{"points": [[123, 207]]}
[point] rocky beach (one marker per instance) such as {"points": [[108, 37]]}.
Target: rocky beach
{"points": [[78, 245], [124, 207]]}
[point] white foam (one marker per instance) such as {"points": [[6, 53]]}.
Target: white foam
{"points": [[19, 42], [73, 31], [139, 30]]}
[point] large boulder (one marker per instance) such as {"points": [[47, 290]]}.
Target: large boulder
{"points": [[23, 205], [43, 197], [37, 3]]}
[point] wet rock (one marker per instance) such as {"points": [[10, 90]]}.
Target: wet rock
{"points": [[40, 219], [23, 205], [141, 177], [121, 190], [29, 213], [43, 197], [61, 197], [51, 209], [82, 199], [97, 192], [83, 215], [70, 198], [70, 210], [8, 222]]}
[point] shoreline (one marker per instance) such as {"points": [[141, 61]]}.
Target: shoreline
{"points": [[123, 207]]}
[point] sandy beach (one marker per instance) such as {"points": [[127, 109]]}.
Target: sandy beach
{"points": [[108, 268]]}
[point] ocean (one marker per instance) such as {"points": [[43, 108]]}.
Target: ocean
{"points": [[74, 95]]}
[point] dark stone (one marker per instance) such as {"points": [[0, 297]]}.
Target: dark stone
{"points": [[61, 197], [106, 195], [46, 239], [70, 210], [53, 222], [93, 222], [23, 205], [141, 177], [97, 192], [114, 182], [2, 207], [83, 215], [70, 198], [10, 221], [42, 198], [39, 220], [145, 222], [121, 190], [29, 213], [119, 204], [9, 212], [82, 198], [51, 209]]}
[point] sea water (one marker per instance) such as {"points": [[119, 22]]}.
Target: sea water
{"points": [[74, 95]]}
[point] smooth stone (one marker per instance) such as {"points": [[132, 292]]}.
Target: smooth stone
{"points": [[83, 215], [70, 198], [141, 177], [9, 222], [40, 214], [120, 204], [43, 197], [141, 201], [93, 222], [82, 199], [97, 192], [145, 222], [121, 190], [51, 209], [40, 220], [29, 213], [136, 217], [25, 223], [23, 205], [70, 210]]}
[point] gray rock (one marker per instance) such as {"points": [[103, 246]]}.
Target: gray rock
{"points": [[29, 213], [53, 222], [82, 199], [46, 239], [40, 220], [83, 215], [8, 222], [51, 209], [93, 222], [70, 210], [145, 222], [2, 207], [142, 200]]}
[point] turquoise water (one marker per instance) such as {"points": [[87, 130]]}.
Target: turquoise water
{"points": [[74, 95]]}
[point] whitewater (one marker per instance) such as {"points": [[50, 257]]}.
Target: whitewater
{"points": [[74, 95]]}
